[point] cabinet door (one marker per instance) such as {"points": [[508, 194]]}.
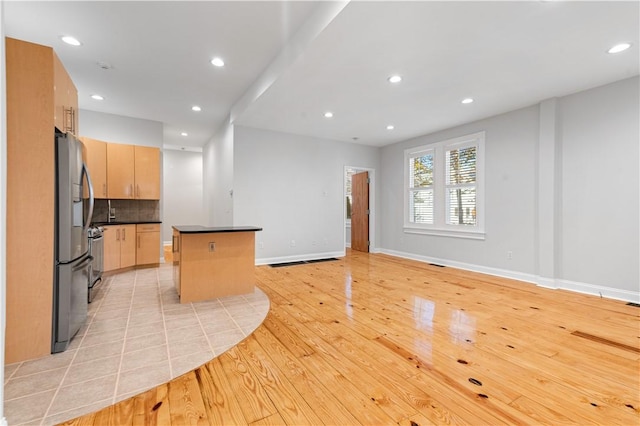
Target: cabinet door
{"points": [[175, 252], [120, 170], [65, 99], [111, 248], [128, 246], [148, 249], [147, 173], [96, 159]]}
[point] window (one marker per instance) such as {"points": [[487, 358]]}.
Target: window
{"points": [[348, 172], [444, 188]]}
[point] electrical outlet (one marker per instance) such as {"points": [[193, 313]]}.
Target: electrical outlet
{"points": [[261, 245], [509, 255], [293, 243]]}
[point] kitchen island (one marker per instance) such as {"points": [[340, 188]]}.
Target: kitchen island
{"points": [[212, 262]]}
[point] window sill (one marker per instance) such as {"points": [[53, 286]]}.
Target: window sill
{"points": [[470, 235]]}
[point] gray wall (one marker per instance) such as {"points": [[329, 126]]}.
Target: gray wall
{"points": [[561, 194], [600, 186], [510, 144], [182, 193], [218, 177], [293, 187], [120, 129]]}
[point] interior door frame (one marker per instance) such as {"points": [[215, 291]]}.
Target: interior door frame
{"points": [[373, 247]]}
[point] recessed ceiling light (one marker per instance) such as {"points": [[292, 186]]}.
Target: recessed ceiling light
{"points": [[217, 62], [97, 97], [395, 79], [328, 114], [196, 108], [184, 134], [619, 48], [390, 127], [71, 40], [467, 101]]}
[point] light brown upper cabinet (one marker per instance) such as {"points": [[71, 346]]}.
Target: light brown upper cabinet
{"points": [[133, 172], [147, 173], [120, 171], [65, 99], [96, 159]]}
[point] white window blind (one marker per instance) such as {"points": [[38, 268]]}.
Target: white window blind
{"points": [[444, 187]]}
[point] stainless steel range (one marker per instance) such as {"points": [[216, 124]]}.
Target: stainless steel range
{"points": [[96, 250]]}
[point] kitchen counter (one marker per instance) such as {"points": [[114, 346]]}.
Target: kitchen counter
{"points": [[212, 262], [199, 229], [137, 222]]}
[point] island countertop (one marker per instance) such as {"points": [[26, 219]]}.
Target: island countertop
{"points": [[199, 229]]}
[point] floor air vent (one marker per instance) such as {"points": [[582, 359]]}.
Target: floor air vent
{"points": [[301, 262]]}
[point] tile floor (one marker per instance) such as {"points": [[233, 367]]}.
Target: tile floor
{"points": [[137, 336]]}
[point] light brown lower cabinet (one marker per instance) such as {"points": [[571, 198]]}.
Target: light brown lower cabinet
{"points": [[119, 246], [147, 244]]}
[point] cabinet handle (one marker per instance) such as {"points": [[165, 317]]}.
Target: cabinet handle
{"points": [[137, 191], [124, 235], [138, 241], [117, 235], [131, 190], [104, 189]]}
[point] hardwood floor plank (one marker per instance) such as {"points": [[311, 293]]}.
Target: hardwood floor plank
{"points": [[291, 406], [254, 402], [325, 405], [186, 404], [220, 402]]}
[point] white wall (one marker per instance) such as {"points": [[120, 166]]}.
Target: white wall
{"points": [[570, 164], [120, 129], [218, 177], [600, 186], [293, 187], [182, 192]]}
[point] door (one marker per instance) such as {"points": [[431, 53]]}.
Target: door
{"points": [[70, 308], [96, 159], [111, 251], [360, 212]]}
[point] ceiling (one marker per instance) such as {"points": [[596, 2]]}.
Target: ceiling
{"points": [[287, 63]]}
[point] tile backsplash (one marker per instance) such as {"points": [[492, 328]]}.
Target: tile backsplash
{"points": [[127, 210]]}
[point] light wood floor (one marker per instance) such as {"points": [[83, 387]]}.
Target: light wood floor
{"points": [[372, 339]]}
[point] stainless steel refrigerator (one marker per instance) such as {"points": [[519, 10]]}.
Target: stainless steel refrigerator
{"points": [[74, 211]]}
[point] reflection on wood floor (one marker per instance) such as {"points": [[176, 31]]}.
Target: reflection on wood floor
{"points": [[373, 339]]}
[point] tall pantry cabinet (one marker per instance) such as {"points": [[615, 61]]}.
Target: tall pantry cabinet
{"points": [[39, 91]]}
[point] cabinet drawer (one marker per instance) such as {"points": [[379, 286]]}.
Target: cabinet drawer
{"points": [[148, 227]]}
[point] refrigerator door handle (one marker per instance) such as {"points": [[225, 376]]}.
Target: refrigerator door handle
{"points": [[85, 171]]}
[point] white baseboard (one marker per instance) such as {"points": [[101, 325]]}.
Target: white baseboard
{"points": [[550, 283], [598, 290], [298, 257]]}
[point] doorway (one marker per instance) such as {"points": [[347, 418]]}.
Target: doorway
{"points": [[359, 208]]}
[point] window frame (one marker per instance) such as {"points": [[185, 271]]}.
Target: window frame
{"points": [[440, 227]]}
